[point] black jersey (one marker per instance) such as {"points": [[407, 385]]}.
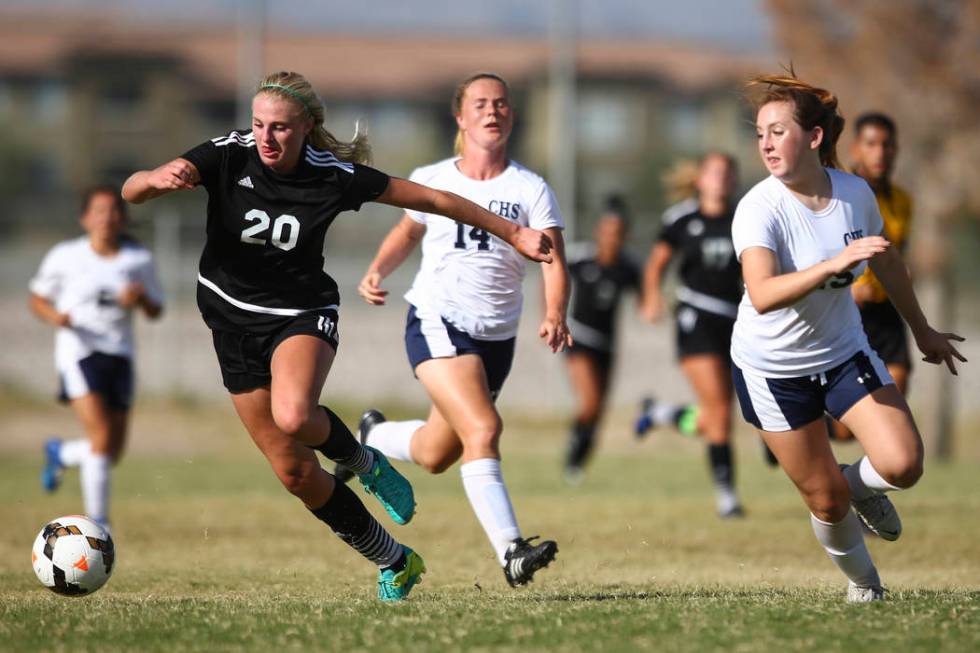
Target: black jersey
{"points": [[596, 291], [708, 262], [263, 259]]}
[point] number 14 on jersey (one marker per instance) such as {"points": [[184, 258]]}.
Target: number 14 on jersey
{"points": [[479, 236]]}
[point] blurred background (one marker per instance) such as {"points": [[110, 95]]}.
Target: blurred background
{"points": [[610, 96]]}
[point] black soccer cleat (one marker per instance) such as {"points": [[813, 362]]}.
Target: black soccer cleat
{"points": [[369, 420], [522, 559]]}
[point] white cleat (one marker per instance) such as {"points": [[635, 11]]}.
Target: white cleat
{"points": [[859, 594], [878, 515]]}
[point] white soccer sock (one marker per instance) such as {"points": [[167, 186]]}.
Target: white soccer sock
{"points": [[664, 414], [95, 470], [73, 452], [864, 480], [845, 545], [484, 485], [394, 439]]}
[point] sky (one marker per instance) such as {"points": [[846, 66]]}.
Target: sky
{"points": [[729, 24]]}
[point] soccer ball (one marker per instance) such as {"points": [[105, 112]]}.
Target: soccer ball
{"points": [[73, 556]]}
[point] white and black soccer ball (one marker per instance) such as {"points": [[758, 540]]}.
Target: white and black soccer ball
{"points": [[73, 556]]}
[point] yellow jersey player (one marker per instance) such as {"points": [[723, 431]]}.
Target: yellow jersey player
{"points": [[873, 155]]}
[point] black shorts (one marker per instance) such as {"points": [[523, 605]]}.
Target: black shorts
{"points": [[886, 333], [701, 332], [431, 336], [107, 375], [245, 358], [603, 358]]}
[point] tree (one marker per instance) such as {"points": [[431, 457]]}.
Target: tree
{"points": [[919, 61]]}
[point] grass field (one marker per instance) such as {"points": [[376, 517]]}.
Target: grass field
{"points": [[213, 555]]}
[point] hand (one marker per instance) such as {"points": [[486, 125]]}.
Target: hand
{"points": [[938, 349], [555, 332], [131, 294], [370, 289], [533, 244], [62, 320], [862, 249], [175, 175], [652, 309]]}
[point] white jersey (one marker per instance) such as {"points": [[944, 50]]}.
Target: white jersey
{"points": [[85, 285], [823, 329], [469, 277]]}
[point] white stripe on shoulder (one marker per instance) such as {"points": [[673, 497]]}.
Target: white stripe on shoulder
{"points": [[348, 167], [253, 308], [245, 140], [324, 155]]}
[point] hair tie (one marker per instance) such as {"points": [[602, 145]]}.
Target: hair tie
{"points": [[292, 92]]}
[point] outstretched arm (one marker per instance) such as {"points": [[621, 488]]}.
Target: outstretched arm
{"points": [[394, 249], [554, 328], [894, 276], [144, 185], [651, 303], [768, 290], [531, 243]]}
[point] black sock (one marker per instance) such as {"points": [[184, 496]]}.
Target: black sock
{"points": [[722, 465], [580, 442], [769, 455], [343, 447], [349, 519]]}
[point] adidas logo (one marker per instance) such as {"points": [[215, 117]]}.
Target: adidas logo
{"points": [[246, 182]]}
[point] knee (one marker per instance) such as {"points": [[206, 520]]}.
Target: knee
{"points": [[297, 478], [829, 503], [484, 435], [291, 416], [903, 472]]}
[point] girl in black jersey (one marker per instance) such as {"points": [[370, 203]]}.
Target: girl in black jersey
{"points": [[272, 193], [707, 304], [599, 275]]}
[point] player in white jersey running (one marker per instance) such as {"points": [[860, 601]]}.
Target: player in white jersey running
{"points": [[465, 305], [803, 235], [89, 288]]}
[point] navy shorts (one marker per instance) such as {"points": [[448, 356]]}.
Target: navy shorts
{"points": [[788, 404], [434, 337], [107, 375], [246, 358]]}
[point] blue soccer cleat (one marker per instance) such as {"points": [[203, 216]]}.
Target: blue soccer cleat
{"points": [[390, 488], [395, 585], [644, 422], [53, 467]]}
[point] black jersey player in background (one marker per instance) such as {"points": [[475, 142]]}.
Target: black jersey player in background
{"points": [[272, 193], [600, 272], [707, 304]]}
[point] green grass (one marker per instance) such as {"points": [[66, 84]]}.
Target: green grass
{"points": [[213, 555]]}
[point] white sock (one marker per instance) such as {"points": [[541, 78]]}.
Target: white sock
{"points": [[95, 471], [664, 414], [484, 485], [864, 480], [73, 452], [845, 545], [394, 439]]}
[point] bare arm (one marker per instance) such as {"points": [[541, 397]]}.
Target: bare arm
{"points": [[651, 302], [46, 312], [394, 249], [179, 174], [134, 296], [408, 195], [554, 328], [894, 276], [768, 290]]}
